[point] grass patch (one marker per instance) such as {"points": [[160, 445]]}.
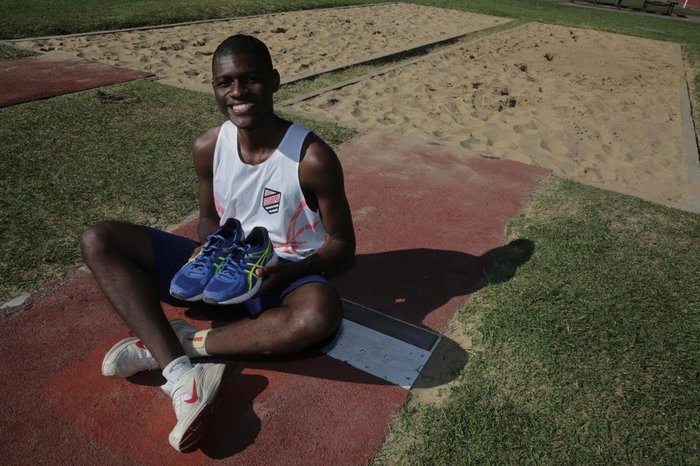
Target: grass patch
{"points": [[589, 355], [8, 51], [121, 152]]}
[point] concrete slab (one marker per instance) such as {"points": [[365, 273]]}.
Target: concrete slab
{"points": [[428, 222], [35, 78], [690, 145], [380, 345]]}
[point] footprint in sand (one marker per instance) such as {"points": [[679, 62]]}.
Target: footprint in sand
{"points": [[554, 146], [473, 144], [329, 103], [589, 172]]}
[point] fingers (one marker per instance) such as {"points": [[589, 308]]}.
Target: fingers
{"points": [[270, 269], [272, 278]]}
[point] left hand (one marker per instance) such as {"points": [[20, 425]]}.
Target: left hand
{"points": [[273, 275]]}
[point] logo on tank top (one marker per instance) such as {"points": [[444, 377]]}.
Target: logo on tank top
{"points": [[271, 200]]}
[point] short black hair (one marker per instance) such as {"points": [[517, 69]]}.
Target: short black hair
{"points": [[244, 43]]}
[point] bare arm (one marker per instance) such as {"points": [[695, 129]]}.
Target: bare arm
{"points": [[321, 179], [203, 159]]}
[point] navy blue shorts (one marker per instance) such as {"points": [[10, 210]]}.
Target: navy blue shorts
{"points": [[171, 252]]}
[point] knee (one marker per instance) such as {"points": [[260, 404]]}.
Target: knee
{"points": [[96, 239], [317, 321]]}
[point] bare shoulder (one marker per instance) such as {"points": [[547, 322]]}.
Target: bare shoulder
{"points": [[206, 141], [203, 151], [318, 157]]}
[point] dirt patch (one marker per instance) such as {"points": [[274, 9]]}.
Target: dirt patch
{"points": [[596, 107], [301, 42]]}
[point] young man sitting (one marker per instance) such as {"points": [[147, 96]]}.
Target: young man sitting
{"points": [[263, 171]]}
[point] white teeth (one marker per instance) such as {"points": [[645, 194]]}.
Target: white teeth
{"points": [[242, 107]]}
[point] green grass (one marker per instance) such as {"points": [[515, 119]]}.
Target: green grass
{"points": [[32, 18], [7, 52], [122, 152], [589, 355]]}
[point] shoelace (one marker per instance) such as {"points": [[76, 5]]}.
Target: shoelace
{"points": [[203, 260], [235, 262]]}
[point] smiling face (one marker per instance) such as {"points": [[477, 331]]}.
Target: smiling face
{"points": [[243, 88]]}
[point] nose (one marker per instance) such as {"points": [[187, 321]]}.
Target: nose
{"points": [[236, 89]]}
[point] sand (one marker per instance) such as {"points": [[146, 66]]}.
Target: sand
{"points": [[595, 107], [302, 43]]}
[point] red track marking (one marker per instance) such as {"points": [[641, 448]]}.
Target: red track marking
{"points": [[29, 79]]}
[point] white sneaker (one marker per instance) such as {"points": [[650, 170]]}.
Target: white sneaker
{"points": [[193, 395], [130, 355]]}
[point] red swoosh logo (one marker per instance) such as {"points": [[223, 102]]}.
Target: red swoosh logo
{"points": [[194, 397]]}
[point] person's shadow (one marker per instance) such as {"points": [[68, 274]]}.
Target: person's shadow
{"points": [[406, 284], [412, 283]]}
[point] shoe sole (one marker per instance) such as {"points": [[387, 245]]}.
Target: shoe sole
{"points": [[197, 425], [245, 296], [190, 299], [108, 360]]}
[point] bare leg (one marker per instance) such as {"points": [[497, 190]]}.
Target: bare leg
{"points": [[307, 315], [120, 257]]}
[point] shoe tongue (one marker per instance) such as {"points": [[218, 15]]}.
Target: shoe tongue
{"points": [[167, 387], [229, 232]]}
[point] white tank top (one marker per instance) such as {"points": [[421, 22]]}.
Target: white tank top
{"points": [[268, 194]]}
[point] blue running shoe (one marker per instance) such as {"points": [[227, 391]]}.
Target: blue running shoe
{"points": [[189, 282], [236, 280]]}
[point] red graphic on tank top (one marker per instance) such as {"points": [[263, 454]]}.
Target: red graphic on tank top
{"points": [[271, 200], [219, 209], [291, 244]]}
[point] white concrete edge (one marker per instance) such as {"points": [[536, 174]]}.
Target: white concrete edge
{"points": [[385, 357], [386, 69], [396, 51]]}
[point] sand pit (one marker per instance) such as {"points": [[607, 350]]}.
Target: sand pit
{"points": [[596, 107], [302, 43]]}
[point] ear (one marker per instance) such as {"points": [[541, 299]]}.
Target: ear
{"points": [[275, 80]]}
